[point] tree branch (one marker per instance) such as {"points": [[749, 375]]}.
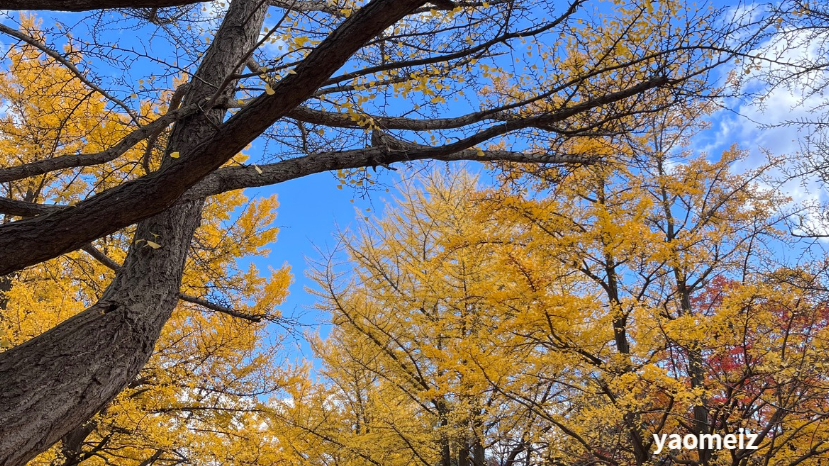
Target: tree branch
{"points": [[304, 6], [344, 120], [30, 241], [87, 5], [40, 167], [219, 308], [232, 178], [25, 209], [99, 256], [70, 66]]}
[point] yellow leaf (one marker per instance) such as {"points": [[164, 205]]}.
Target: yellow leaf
{"points": [[174, 154], [153, 244], [268, 89]]}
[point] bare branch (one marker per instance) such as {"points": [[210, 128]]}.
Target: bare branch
{"points": [[40, 167], [305, 6], [232, 178], [70, 66], [87, 5], [219, 308], [25, 209], [343, 120], [99, 256]]}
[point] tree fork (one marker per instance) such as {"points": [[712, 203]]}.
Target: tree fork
{"points": [[58, 380], [28, 242]]}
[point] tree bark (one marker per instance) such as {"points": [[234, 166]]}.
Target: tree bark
{"points": [[34, 240], [59, 379]]}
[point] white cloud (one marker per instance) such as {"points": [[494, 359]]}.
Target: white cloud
{"points": [[768, 126]]}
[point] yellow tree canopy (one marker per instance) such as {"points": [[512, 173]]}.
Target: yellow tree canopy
{"points": [[567, 324], [211, 370]]}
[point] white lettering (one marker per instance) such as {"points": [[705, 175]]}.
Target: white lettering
{"points": [[659, 444], [711, 439], [751, 439], [741, 440], [730, 441]]}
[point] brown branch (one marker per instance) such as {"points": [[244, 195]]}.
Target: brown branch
{"points": [[343, 120], [87, 5], [219, 308], [30, 241], [70, 66], [25, 209], [232, 178], [41, 167], [99, 256], [306, 6], [152, 459]]}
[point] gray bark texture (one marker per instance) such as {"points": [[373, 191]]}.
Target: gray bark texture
{"points": [[63, 377], [58, 380]]}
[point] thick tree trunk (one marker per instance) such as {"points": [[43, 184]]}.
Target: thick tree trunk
{"points": [[53, 382], [61, 378], [56, 381]]}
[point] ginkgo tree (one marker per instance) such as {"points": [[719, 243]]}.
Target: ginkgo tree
{"points": [[211, 367], [320, 86], [400, 383], [571, 322]]}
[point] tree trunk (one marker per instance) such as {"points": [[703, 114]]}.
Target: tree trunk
{"points": [[463, 454], [696, 371], [478, 450], [5, 287], [56, 381]]}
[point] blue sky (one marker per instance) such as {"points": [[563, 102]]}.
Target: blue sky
{"points": [[312, 208]]}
